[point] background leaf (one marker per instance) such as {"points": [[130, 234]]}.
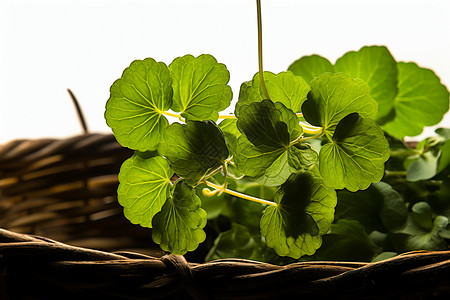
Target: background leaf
{"points": [[423, 167], [311, 66], [380, 208], [444, 158], [422, 231], [144, 187], [200, 87], [193, 149], [376, 66], [134, 108], [178, 227], [421, 101], [334, 96], [304, 213], [264, 151], [356, 156], [347, 241], [283, 87]]}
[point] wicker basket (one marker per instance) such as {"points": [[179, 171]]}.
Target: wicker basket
{"points": [[64, 236], [65, 189]]}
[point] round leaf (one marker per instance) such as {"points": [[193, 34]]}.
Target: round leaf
{"points": [[178, 227], [421, 101], [334, 96], [265, 151], [283, 87], [194, 149], [200, 87], [355, 157], [304, 213], [376, 66], [134, 108], [144, 187], [310, 67]]}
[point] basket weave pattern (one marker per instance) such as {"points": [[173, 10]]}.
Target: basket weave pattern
{"points": [[65, 189], [63, 237]]}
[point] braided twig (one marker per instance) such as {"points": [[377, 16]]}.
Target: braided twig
{"points": [[41, 268]]}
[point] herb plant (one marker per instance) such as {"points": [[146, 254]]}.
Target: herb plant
{"points": [[297, 142]]}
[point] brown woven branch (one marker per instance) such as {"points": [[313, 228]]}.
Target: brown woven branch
{"points": [[65, 189], [40, 268]]}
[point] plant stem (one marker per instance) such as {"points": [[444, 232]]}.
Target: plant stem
{"points": [[395, 173], [227, 117], [260, 60], [312, 137], [240, 195], [168, 113]]}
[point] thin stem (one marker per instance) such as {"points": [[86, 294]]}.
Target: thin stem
{"points": [[168, 113], [240, 195], [318, 135], [227, 117], [260, 60], [395, 173]]}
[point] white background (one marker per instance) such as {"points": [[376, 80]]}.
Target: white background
{"points": [[49, 46]]}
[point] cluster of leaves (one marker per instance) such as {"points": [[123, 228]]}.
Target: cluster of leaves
{"points": [[320, 131]]}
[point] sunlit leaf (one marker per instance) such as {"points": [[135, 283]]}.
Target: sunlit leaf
{"points": [[356, 155], [310, 67], [265, 150], [421, 101], [376, 66], [304, 213], [178, 227], [137, 100], [283, 87], [194, 149], [144, 187], [334, 96], [200, 87]]}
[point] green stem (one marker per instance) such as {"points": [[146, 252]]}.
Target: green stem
{"points": [[318, 135], [395, 173], [260, 60], [240, 195]]}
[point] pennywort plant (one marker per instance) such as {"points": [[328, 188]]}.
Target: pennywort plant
{"points": [[299, 136]]}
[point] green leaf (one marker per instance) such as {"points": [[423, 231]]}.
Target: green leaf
{"points": [[376, 66], [422, 167], [422, 231], [144, 187], [347, 241], [194, 149], [380, 208], [137, 101], [283, 87], [200, 87], [334, 96], [310, 67], [444, 132], [439, 200], [265, 150], [356, 155], [444, 158], [231, 133], [304, 213], [237, 242], [421, 101], [178, 227]]}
